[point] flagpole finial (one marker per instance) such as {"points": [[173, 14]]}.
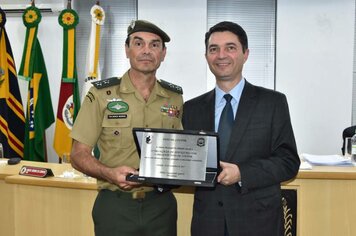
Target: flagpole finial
{"points": [[69, 4], [33, 3]]}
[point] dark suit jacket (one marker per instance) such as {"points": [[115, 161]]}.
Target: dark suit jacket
{"points": [[262, 144]]}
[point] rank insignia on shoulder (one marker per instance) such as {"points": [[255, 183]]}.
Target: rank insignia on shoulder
{"points": [[172, 87], [107, 82]]}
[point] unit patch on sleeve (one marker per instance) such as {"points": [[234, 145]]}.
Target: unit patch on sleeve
{"points": [[90, 96]]}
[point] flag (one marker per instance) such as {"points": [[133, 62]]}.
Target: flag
{"points": [[39, 112], [12, 118], [69, 101], [92, 66]]}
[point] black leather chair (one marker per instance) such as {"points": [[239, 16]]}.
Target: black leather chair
{"points": [[348, 132]]}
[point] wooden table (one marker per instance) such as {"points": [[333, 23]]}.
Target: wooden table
{"points": [[45, 206], [58, 206], [326, 201]]}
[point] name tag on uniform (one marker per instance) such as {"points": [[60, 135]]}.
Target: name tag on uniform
{"points": [[117, 116]]}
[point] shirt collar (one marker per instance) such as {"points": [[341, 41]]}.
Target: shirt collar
{"points": [[235, 93], [126, 85]]}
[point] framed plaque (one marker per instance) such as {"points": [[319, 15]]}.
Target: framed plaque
{"points": [[176, 157]]}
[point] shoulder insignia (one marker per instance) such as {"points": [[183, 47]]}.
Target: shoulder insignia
{"points": [[170, 86], [90, 96], [107, 82]]}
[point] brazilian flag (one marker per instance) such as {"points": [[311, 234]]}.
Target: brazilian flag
{"points": [[39, 112]]}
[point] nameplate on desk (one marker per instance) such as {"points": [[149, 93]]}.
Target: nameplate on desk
{"points": [[35, 171]]}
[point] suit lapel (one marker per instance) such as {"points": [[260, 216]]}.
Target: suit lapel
{"points": [[208, 111], [246, 107]]}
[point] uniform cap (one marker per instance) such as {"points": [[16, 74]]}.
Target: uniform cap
{"points": [[146, 26]]}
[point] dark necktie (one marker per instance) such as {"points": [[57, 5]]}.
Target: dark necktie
{"points": [[225, 126]]}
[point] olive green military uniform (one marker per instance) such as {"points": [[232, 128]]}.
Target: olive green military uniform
{"points": [[106, 118]]}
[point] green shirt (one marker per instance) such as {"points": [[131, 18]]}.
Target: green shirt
{"points": [[109, 113]]}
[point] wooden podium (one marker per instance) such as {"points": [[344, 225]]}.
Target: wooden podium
{"points": [[57, 206]]}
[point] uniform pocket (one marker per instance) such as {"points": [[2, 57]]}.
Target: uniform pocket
{"points": [[169, 122], [117, 132]]}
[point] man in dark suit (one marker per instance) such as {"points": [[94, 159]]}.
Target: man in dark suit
{"points": [[261, 151]]}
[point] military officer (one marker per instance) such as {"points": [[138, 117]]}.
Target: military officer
{"points": [[109, 112]]}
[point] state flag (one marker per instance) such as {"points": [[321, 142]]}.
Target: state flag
{"points": [[92, 65], [12, 118], [69, 100]]}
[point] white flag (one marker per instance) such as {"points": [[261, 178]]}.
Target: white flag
{"points": [[92, 65]]}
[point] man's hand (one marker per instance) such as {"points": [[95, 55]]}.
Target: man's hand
{"points": [[230, 174], [118, 177], [82, 160]]}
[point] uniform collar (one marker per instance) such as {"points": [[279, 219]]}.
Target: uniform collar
{"points": [[126, 86], [160, 91]]}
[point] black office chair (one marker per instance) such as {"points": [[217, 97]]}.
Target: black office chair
{"points": [[348, 132]]}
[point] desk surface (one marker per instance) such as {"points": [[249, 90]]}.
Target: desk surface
{"points": [[330, 206], [9, 173], [8, 170], [328, 172]]}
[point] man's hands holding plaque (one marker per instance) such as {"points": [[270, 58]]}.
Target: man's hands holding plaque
{"points": [[230, 174], [118, 177]]}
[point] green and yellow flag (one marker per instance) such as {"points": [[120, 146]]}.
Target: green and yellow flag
{"points": [[12, 118], [69, 101], [39, 114]]}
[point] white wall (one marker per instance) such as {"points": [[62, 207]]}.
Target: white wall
{"points": [[185, 22], [314, 61], [314, 69]]}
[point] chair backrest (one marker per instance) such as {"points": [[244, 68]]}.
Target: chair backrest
{"points": [[348, 132]]}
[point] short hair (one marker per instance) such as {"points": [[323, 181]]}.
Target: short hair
{"points": [[231, 27]]}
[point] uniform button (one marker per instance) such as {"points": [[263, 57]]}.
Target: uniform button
{"points": [[146, 126], [220, 203]]}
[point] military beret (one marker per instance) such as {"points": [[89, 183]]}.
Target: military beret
{"points": [[145, 26]]}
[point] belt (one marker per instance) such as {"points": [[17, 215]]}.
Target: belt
{"points": [[138, 195]]}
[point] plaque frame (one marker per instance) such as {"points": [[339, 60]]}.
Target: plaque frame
{"points": [[212, 156]]}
